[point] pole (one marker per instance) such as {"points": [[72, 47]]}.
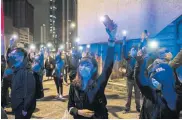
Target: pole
{"points": [[2, 30], [68, 24]]}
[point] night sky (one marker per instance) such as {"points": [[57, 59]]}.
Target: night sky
{"points": [[41, 16]]}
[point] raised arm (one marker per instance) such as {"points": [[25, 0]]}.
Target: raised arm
{"points": [[124, 49], [107, 69], [177, 61], [142, 80]]}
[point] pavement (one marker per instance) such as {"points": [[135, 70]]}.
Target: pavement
{"points": [[51, 108]]}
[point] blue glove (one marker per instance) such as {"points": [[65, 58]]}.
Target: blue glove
{"points": [[24, 113]]}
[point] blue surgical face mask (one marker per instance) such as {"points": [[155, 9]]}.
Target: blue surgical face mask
{"points": [[85, 71], [133, 52], [16, 58]]}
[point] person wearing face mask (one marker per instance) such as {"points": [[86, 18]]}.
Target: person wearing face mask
{"points": [[23, 99], [37, 72], [6, 75], [176, 64], [156, 84], [86, 96], [58, 75], [130, 59], [73, 64]]}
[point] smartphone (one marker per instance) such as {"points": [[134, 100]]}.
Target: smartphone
{"points": [[109, 23]]}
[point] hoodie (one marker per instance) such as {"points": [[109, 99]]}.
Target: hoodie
{"points": [[23, 87]]}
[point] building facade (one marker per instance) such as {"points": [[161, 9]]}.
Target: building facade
{"points": [[21, 12], [52, 18], [43, 34], [25, 36], [62, 14]]}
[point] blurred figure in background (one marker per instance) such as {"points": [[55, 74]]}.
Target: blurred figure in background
{"points": [[38, 73], [49, 66], [58, 75], [73, 61], [130, 64]]}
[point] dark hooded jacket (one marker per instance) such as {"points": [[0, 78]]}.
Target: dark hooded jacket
{"points": [[94, 99], [175, 64], [23, 86], [162, 104]]}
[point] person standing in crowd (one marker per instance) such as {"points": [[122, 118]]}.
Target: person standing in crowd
{"points": [[157, 86], [23, 85], [73, 64], [86, 96], [176, 64], [7, 76], [38, 73], [130, 64], [58, 75], [49, 66]]}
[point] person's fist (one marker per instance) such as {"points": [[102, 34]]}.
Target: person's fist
{"points": [[86, 113]]}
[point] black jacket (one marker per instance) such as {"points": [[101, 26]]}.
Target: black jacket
{"points": [[93, 99], [23, 87], [155, 105]]}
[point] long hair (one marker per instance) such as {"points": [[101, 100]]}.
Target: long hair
{"points": [[77, 82]]}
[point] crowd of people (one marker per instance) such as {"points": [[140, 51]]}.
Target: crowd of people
{"points": [[152, 73]]}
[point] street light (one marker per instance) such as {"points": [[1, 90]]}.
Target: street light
{"points": [[124, 32], [14, 36], [88, 46], [62, 47], [77, 40], [80, 48], [49, 44], [73, 25], [32, 47]]}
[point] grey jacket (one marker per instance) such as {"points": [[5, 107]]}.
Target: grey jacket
{"points": [[177, 61], [23, 87]]}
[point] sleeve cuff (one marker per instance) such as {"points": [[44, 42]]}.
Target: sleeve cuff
{"points": [[111, 43], [73, 111]]}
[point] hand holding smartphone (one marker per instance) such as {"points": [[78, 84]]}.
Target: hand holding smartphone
{"points": [[109, 24]]}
